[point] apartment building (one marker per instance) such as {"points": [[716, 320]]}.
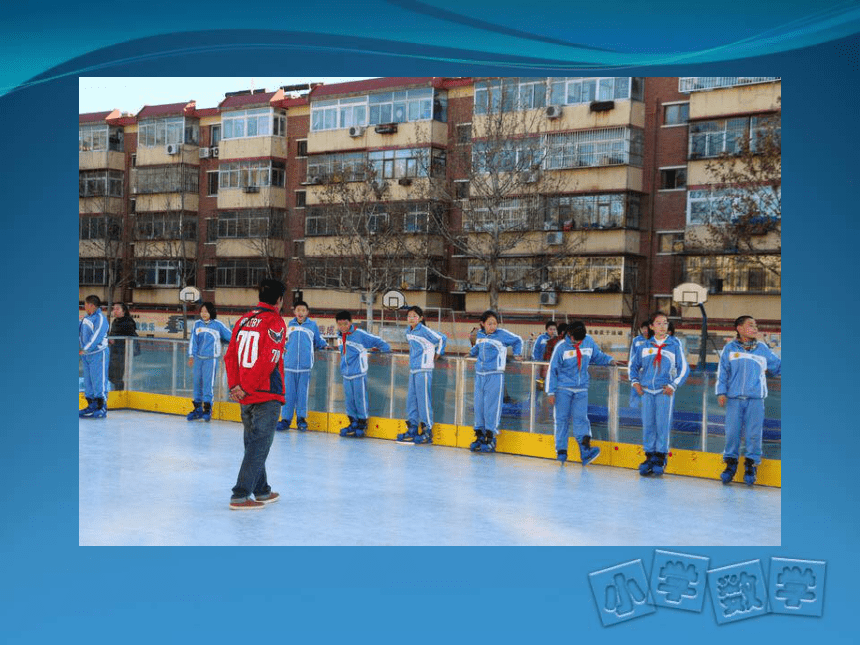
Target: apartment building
{"points": [[588, 196]]}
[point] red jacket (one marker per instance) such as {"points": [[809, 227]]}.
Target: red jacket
{"points": [[255, 356]]}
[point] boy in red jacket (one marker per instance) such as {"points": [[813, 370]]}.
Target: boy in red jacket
{"points": [[255, 368]]}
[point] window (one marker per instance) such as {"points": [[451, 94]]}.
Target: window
{"points": [[94, 137], [608, 210], [345, 167], [673, 178], [132, 205], [171, 130], [765, 133], [571, 91], [461, 189], [162, 273], [242, 273], [92, 272], [165, 226], [317, 222], [513, 214], [514, 274], [416, 219], [133, 160], [464, 133], [672, 242], [302, 148], [175, 178], [760, 274], [406, 162], [603, 147], [301, 197], [261, 122], [100, 183], [687, 84], [715, 138], [298, 248], [100, 227], [254, 223], [332, 273], [402, 106], [724, 206], [518, 155], [676, 114], [215, 135], [212, 183], [599, 274], [239, 174], [209, 280]]}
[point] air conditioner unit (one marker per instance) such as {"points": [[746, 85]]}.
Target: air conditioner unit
{"points": [[531, 177], [405, 181], [460, 286], [316, 180], [172, 149], [555, 238], [553, 111], [356, 131], [378, 186], [203, 153], [548, 298], [386, 128], [250, 189], [215, 151], [602, 106]]}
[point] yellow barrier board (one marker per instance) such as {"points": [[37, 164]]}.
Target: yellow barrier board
{"points": [[690, 463]]}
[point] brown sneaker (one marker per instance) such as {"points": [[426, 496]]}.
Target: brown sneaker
{"points": [[245, 505], [267, 499]]}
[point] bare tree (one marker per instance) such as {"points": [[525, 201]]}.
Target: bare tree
{"points": [[741, 211], [362, 247], [502, 203]]}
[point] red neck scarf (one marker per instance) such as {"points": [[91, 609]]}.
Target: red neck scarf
{"points": [[659, 356], [576, 345], [343, 341]]}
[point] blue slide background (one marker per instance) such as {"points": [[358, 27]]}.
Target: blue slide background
{"points": [[55, 591]]}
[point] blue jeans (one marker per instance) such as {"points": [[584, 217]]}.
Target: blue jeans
{"points": [[259, 420]]}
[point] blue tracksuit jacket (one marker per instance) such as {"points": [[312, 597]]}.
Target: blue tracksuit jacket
{"points": [[540, 346], [302, 340], [491, 350], [423, 344], [206, 338], [741, 373], [645, 370], [565, 373], [353, 351], [93, 331]]}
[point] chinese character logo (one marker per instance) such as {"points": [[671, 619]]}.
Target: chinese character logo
{"points": [[678, 580], [796, 586], [738, 591], [621, 592], [737, 594]]}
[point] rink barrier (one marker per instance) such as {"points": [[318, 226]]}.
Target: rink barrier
{"points": [[690, 463]]}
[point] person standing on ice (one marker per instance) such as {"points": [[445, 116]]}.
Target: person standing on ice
{"points": [[354, 345], [741, 390], [491, 350], [567, 389], [303, 337], [425, 345], [207, 334], [93, 339]]}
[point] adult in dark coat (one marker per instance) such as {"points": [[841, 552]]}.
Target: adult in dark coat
{"points": [[123, 325]]}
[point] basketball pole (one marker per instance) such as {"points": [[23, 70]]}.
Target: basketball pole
{"points": [[703, 342]]}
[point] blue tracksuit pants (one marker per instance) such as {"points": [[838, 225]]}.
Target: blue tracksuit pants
{"points": [[489, 390], [570, 406], [745, 415], [419, 405], [296, 395], [656, 421], [203, 373], [355, 395], [96, 374]]}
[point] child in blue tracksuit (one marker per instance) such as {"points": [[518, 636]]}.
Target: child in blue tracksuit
{"points": [[643, 337], [567, 389], [651, 375], [491, 349], [742, 389], [92, 334], [424, 346], [207, 334], [540, 342], [303, 337], [354, 344]]}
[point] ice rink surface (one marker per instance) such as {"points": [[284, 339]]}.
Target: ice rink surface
{"points": [[154, 479]]}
